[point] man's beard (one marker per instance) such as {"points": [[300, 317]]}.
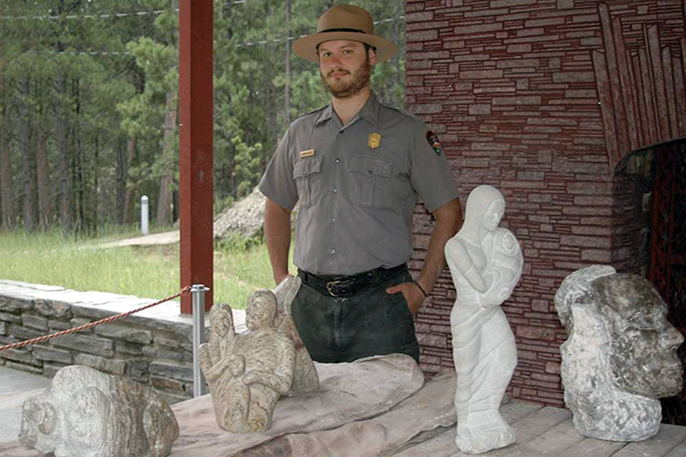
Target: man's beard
{"points": [[360, 79]]}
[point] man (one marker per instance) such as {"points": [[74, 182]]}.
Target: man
{"points": [[356, 167]]}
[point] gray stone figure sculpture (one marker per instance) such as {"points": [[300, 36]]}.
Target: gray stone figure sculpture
{"points": [[222, 368], [620, 356], [86, 413], [305, 377], [247, 372], [486, 263]]}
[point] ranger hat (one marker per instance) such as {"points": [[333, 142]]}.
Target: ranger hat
{"points": [[345, 22]]}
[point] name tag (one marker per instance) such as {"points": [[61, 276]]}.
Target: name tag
{"points": [[307, 153]]}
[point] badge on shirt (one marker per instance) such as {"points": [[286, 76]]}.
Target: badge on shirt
{"points": [[374, 140], [307, 153], [432, 138]]}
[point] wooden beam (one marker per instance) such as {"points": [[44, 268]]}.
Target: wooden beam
{"points": [[195, 146]]}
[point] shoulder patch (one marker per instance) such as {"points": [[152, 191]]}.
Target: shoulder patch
{"points": [[432, 138]]}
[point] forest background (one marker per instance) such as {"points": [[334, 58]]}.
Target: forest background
{"points": [[89, 102]]}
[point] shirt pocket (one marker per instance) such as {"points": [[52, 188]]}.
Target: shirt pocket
{"points": [[372, 178], [307, 175]]}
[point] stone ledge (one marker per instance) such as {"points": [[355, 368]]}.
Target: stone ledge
{"points": [[165, 316], [153, 346]]}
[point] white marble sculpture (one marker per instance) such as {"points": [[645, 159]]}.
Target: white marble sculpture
{"points": [[86, 413], [620, 356], [247, 372], [486, 263]]}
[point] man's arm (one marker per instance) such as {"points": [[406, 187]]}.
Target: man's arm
{"points": [[448, 221], [277, 231]]}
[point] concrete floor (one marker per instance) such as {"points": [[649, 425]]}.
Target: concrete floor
{"points": [[15, 386]]}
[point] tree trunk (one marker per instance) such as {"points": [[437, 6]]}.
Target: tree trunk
{"points": [[84, 219], [27, 159], [120, 183], [130, 202], [8, 214], [79, 184], [43, 178], [99, 194], [287, 89], [164, 201], [66, 194]]}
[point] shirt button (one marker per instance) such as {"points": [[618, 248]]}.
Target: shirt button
{"points": [[333, 219], [338, 160], [332, 251], [369, 172], [335, 189]]}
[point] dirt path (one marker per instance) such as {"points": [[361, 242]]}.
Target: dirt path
{"points": [[147, 240]]}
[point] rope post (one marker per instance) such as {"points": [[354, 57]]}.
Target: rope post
{"points": [[198, 291]]}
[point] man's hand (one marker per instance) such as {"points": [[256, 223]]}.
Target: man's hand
{"points": [[281, 278], [448, 220], [412, 294]]}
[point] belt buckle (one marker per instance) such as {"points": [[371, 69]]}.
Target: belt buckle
{"points": [[328, 287]]}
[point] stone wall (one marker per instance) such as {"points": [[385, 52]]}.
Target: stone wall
{"points": [[153, 347], [542, 99]]}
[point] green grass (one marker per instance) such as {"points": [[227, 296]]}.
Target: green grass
{"points": [[147, 272]]}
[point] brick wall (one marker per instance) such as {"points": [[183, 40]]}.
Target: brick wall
{"points": [[542, 99]]}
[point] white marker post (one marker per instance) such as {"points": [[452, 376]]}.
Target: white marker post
{"points": [[144, 214]]}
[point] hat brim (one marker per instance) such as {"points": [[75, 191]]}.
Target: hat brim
{"points": [[306, 47]]}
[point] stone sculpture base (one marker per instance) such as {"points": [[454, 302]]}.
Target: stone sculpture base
{"points": [[348, 392]]}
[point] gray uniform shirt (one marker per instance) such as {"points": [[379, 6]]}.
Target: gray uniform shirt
{"points": [[357, 185]]}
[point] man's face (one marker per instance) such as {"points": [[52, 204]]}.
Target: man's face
{"points": [[643, 358], [345, 67]]}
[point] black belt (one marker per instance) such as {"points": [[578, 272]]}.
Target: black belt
{"points": [[347, 286]]}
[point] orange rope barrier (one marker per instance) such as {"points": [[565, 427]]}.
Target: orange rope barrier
{"points": [[185, 290]]}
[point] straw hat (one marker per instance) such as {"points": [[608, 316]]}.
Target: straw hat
{"points": [[344, 22]]}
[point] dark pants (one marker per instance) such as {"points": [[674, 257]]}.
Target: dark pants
{"points": [[370, 323]]}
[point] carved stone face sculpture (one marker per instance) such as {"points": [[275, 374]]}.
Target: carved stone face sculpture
{"points": [[87, 413], [485, 207], [493, 215], [261, 310], [39, 421], [620, 355], [643, 358], [221, 319], [87, 418]]}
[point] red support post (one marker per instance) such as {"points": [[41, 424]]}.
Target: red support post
{"points": [[195, 144]]}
